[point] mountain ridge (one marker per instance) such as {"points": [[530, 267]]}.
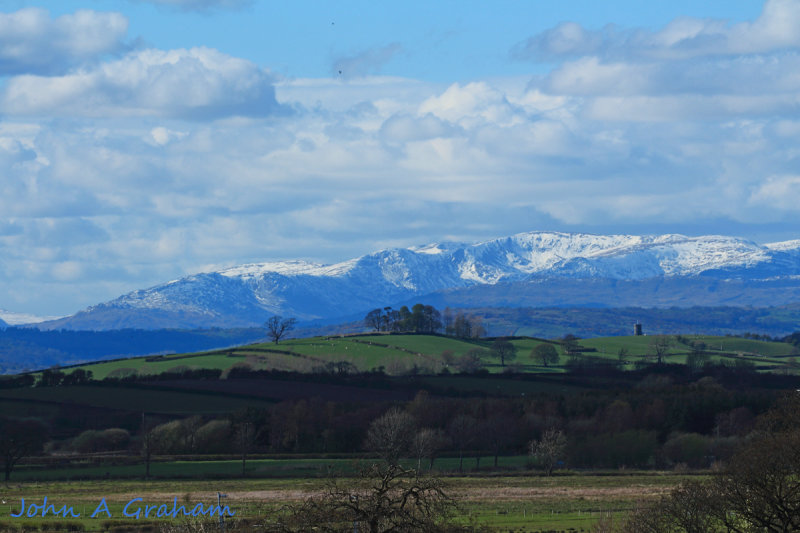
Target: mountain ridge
{"points": [[245, 295]]}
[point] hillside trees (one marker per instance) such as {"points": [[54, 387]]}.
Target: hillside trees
{"points": [[472, 361], [504, 350], [419, 319], [278, 327], [423, 318], [545, 354], [463, 325], [758, 490], [570, 344]]}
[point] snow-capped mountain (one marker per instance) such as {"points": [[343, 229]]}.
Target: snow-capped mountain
{"points": [[247, 295], [11, 318]]}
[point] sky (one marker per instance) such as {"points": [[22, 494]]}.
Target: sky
{"points": [[144, 140]]}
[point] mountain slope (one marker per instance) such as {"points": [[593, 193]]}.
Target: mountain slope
{"points": [[539, 267]]}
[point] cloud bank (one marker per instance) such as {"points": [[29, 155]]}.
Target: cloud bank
{"points": [[125, 168]]}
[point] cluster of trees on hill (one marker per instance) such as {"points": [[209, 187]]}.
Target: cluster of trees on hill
{"points": [[423, 318]]}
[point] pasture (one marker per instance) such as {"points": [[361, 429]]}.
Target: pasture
{"points": [[401, 354]]}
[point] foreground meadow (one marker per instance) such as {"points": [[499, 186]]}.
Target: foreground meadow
{"points": [[517, 503]]}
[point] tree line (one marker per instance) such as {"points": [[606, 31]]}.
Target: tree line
{"points": [[662, 420], [757, 489], [423, 318]]}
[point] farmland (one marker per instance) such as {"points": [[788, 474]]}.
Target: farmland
{"points": [[269, 423], [399, 354]]}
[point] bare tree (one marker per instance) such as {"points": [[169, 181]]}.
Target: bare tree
{"points": [[462, 430], [278, 327], [384, 498], [152, 442], [761, 485], [390, 435], [659, 347], [248, 424], [497, 433], [549, 449], [18, 439], [426, 444]]}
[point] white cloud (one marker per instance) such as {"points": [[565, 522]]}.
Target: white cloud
{"points": [[170, 160], [781, 192], [199, 83], [685, 37], [476, 100], [689, 70], [405, 128], [32, 42], [161, 135]]}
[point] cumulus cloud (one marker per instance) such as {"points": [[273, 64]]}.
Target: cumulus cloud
{"points": [[691, 69], [475, 100], [199, 83], [404, 128], [174, 160], [685, 37], [34, 43]]}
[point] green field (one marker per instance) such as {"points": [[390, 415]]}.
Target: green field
{"points": [[530, 503], [399, 354]]}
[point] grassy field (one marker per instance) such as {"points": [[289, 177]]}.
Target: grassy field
{"points": [[301, 467], [528, 503], [398, 354]]}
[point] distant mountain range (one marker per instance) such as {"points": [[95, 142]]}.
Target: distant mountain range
{"points": [[10, 318], [537, 269]]}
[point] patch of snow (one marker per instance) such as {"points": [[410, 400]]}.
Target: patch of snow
{"points": [[784, 245], [18, 319]]}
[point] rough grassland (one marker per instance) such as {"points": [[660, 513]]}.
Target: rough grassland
{"points": [[519, 503]]}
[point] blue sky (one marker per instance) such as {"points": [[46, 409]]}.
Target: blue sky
{"points": [[143, 140]]}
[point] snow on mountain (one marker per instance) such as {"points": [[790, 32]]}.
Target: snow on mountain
{"points": [[248, 294], [16, 319]]}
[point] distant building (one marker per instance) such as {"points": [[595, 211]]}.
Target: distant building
{"points": [[637, 329]]}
